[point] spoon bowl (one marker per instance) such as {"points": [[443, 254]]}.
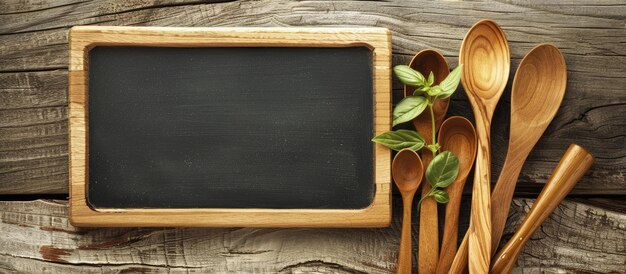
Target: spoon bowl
{"points": [[458, 136], [407, 172], [486, 63], [426, 61], [538, 89], [485, 54]]}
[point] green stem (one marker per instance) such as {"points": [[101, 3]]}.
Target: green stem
{"points": [[428, 194], [431, 103], [419, 204]]}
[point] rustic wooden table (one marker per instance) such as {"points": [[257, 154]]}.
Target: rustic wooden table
{"points": [[587, 233]]}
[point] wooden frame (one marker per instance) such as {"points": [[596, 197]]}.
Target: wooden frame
{"points": [[83, 38]]}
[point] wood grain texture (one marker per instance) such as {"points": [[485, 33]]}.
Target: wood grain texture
{"points": [[37, 235], [33, 132], [33, 58]]}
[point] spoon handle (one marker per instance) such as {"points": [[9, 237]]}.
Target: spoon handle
{"points": [[567, 173], [428, 248], [460, 259], [502, 194], [450, 228], [480, 220], [404, 257]]}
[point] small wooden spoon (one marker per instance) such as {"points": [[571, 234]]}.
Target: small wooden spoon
{"points": [[538, 89], [407, 172], [567, 173], [487, 61], [426, 61], [457, 135]]}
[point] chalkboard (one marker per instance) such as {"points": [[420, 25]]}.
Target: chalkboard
{"points": [[230, 127]]}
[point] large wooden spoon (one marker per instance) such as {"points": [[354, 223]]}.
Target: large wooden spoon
{"points": [[458, 136], [407, 172], [486, 63], [538, 89], [567, 173], [426, 61]]}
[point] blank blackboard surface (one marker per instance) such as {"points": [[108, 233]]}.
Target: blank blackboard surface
{"points": [[243, 127]]}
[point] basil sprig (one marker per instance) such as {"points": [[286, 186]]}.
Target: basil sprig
{"points": [[444, 167]]}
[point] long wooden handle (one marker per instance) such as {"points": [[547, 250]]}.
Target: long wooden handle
{"points": [[502, 194], [480, 221], [460, 259], [450, 228], [500, 204], [428, 248], [567, 173], [404, 257]]}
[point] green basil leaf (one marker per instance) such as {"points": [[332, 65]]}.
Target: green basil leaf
{"points": [[441, 196], [435, 91], [409, 76], [442, 170], [451, 82], [400, 139], [431, 78], [409, 108]]}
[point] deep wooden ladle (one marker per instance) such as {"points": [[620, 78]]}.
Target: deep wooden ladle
{"points": [[407, 172], [458, 136], [426, 61], [486, 63]]}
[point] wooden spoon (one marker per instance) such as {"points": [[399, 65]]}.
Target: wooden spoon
{"points": [[407, 172], [567, 173], [457, 135], [486, 63], [538, 89], [426, 61]]}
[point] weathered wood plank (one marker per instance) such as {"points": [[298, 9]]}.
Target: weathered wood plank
{"points": [[36, 235], [578, 29], [33, 37], [33, 132]]}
